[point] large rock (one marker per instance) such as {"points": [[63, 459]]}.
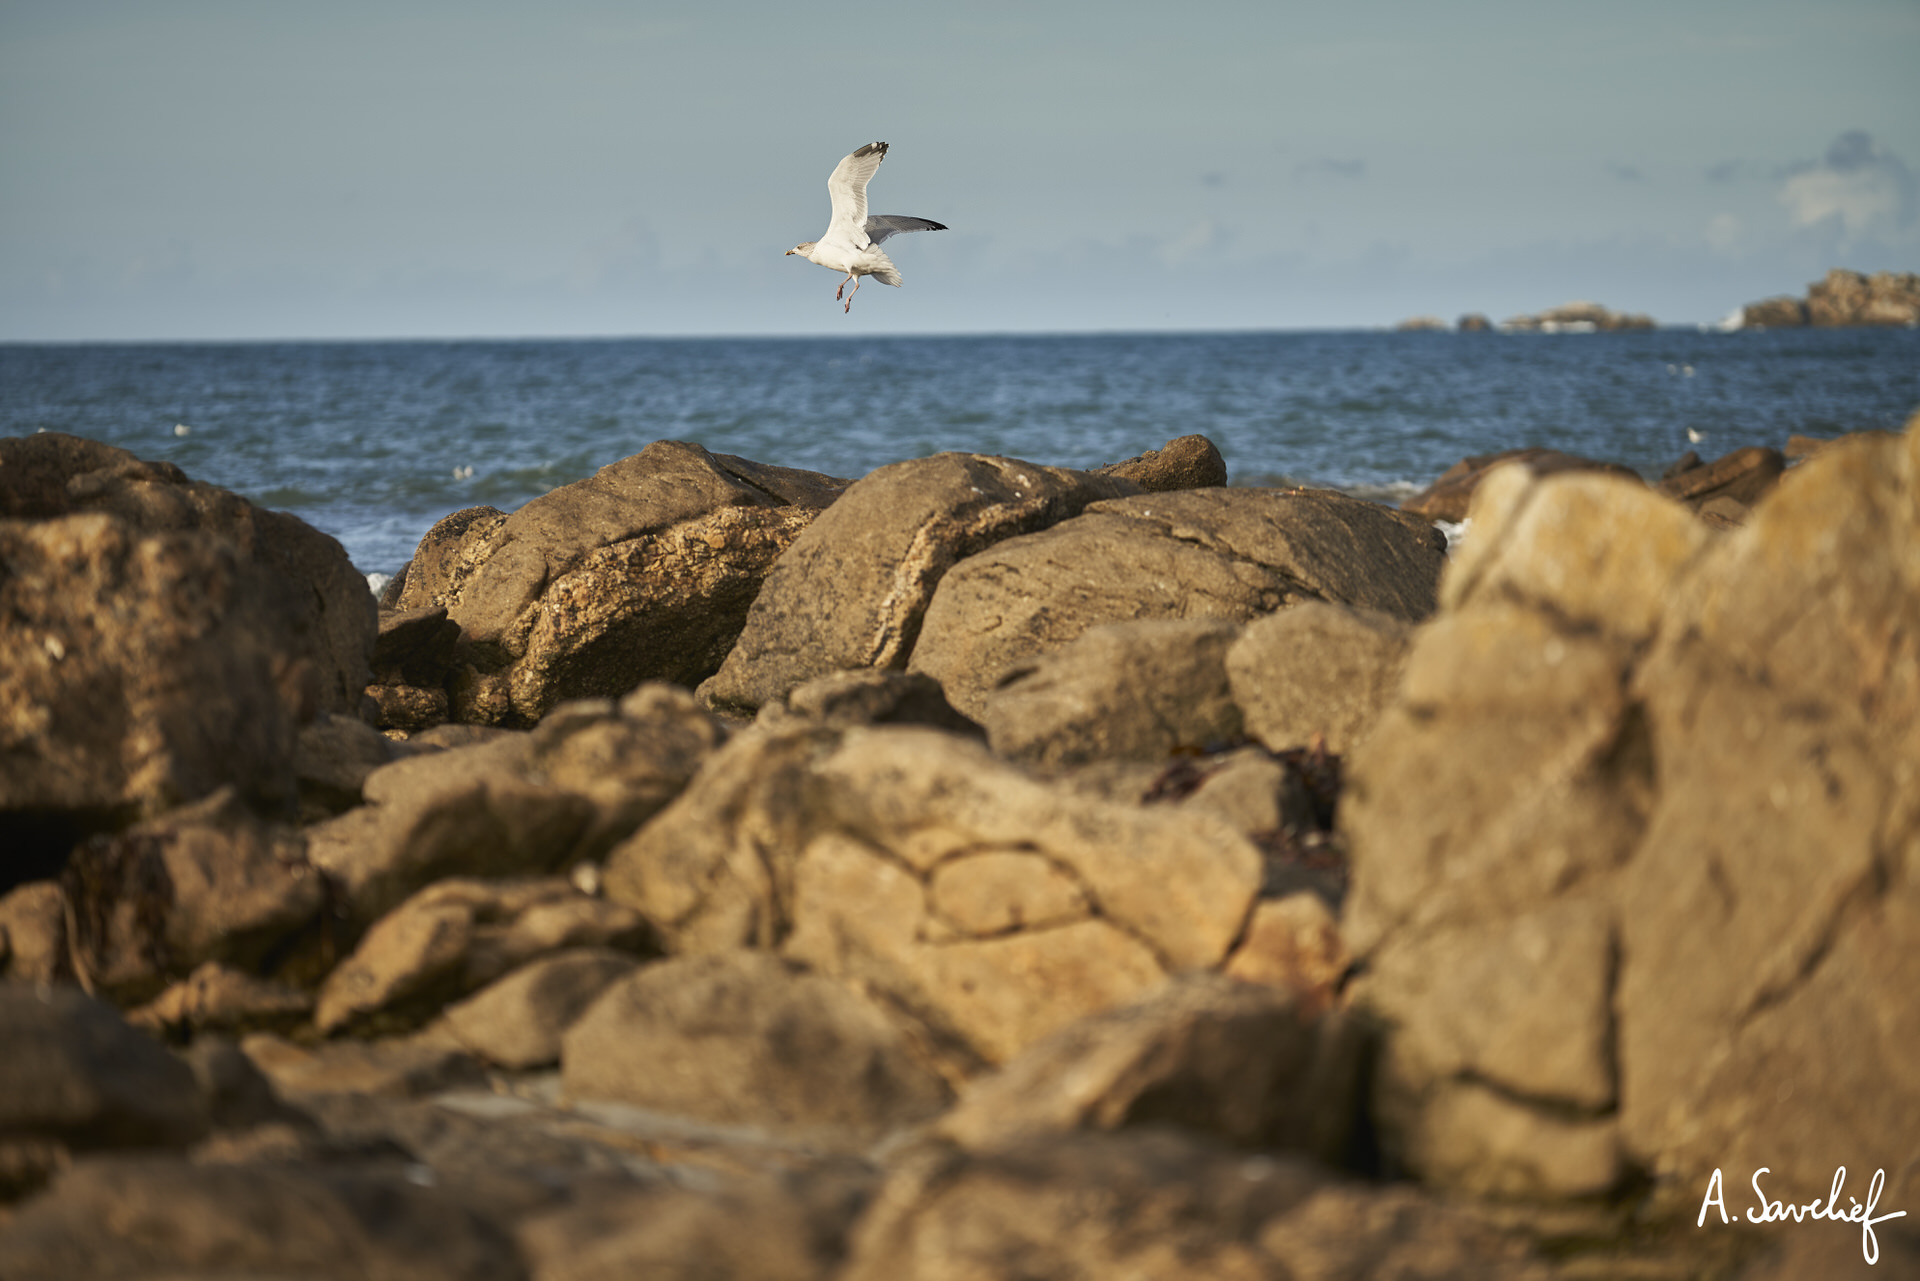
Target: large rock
{"points": [[517, 1021], [914, 861], [1186, 462], [643, 571], [749, 1038], [1851, 298], [853, 589], [1647, 801], [1229, 554], [322, 614], [143, 671], [74, 1072]]}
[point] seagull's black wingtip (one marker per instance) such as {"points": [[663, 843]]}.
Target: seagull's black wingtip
{"points": [[872, 147]]}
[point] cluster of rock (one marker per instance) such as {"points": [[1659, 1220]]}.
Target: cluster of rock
{"points": [[1576, 318], [978, 868], [1842, 298]]}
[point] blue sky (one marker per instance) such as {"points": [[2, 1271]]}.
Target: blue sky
{"points": [[183, 169]]}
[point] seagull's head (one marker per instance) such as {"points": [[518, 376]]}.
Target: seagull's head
{"points": [[804, 248]]}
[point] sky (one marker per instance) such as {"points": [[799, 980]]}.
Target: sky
{"points": [[197, 169]]}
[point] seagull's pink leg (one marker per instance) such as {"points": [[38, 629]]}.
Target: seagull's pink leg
{"points": [[851, 279], [856, 289]]}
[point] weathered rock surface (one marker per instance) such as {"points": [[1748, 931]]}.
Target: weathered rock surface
{"points": [[1668, 777], [1316, 669], [1745, 476], [148, 1217], [1244, 1063], [1186, 462], [394, 1067], [1447, 498], [1229, 554], [514, 804], [458, 935], [749, 1038], [216, 998], [206, 882], [517, 1021], [842, 700], [1158, 1205], [1120, 691], [331, 760], [853, 590], [643, 571], [849, 850], [75, 1073]]}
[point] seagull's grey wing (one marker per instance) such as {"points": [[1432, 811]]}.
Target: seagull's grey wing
{"points": [[880, 226], [847, 188]]}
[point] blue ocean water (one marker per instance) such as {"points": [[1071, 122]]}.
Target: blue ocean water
{"points": [[373, 441]]}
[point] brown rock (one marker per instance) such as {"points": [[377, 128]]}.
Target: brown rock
{"points": [[1745, 475], [1186, 462], [628, 759], [143, 672], [457, 936], [74, 1072], [748, 1038], [1774, 313], [1121, 691], [1316, 670], [1294, 944], [1724, 513], [852, 591], [1473, 323], [643, 571], [1690, 755], [415, 646], [152, 1217], [409, 707], [215, 998], [1851, 298], [841, 700], [1145, 1204], [331, 760], [1231, 1060], [1230, 554], [1447, 498], [33, 934], [207, 882], [470, 810], [396, 1067], [517, 1021]]}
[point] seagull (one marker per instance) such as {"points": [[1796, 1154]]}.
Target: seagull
{"points": [[853, 236]]}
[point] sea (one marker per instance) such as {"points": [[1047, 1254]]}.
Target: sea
{"points": [[375, 441]]}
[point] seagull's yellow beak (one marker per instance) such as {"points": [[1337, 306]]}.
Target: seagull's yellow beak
{"points": [[789, 253]]}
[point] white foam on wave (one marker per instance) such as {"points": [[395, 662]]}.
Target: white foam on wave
{"points": [[1455, 530], [378, 582]]}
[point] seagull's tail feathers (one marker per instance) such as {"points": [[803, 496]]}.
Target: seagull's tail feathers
{"points": [[883, 270]]}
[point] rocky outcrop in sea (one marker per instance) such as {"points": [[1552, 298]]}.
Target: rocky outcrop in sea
{"points": [[1842, 298], [974, 868]]}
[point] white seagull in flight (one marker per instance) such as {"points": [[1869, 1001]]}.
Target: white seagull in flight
{"points": [[852, 240]]}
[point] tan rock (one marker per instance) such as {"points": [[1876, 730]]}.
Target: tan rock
{"points": [[1315, 670], [517, 1021], [1293, 944], [397, 1067], [215, 998], [1449, 496], [1186, 462], [748, 1038], [853, 590], [998, 891], [1228, 554], [33, 934], [457, 936]]}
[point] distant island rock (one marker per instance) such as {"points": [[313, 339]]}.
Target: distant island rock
{"points": [[1422, 322], [1843, 298], [1576, 318]]}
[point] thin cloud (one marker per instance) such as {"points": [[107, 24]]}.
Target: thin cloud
{"points": [[1859, 183]]}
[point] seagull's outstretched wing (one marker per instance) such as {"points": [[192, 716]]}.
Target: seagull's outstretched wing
{"points": [[847, 188], [880, 226]]}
